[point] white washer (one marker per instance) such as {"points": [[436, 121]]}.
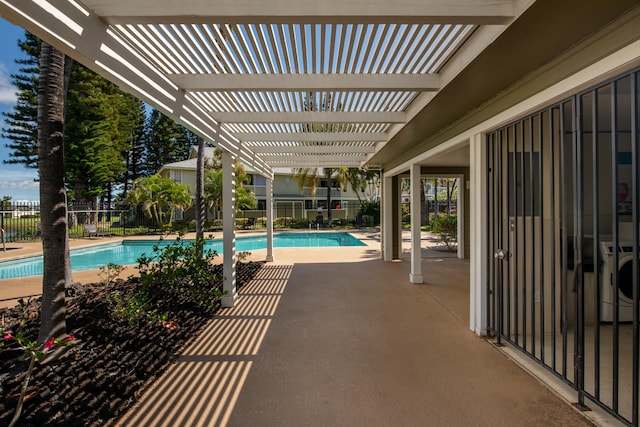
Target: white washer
{"points": [[625, 282]]}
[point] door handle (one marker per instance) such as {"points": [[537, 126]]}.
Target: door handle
{"points": [[501, 254]]}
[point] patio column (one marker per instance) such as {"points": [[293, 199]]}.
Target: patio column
{"points": [[387, 218], [478, 234], [391, 211], [416, 248], [269, 207], [228, 230]]}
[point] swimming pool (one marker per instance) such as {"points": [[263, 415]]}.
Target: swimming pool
{"points": [[128, 251]]}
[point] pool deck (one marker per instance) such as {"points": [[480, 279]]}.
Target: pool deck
{"points": [[338, 337]]}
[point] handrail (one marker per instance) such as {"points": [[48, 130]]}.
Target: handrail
{"points": [[4, 244]]}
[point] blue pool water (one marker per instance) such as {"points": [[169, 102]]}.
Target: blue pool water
{"points": [[128, 251]]}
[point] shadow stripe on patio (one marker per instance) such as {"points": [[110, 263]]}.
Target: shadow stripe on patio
{"points": [[201, 388]]}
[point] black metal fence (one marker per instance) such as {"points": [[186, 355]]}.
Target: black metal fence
{"points": [[21, 221]]}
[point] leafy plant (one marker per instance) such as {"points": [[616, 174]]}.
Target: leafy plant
{"points": [[178, 267], [370, 211], [134, 308], [110, 273], [446, 227], [171, 272], [33, 351]]}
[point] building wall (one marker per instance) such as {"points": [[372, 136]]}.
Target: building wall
{"points": [[186, 177], [285, 187], [285, 184]]}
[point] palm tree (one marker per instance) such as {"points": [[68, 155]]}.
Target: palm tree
{"points": [[53, 200], [245, 199], [307, 178], [360, 180], [155, 194], [175, 196], [213, 189]]}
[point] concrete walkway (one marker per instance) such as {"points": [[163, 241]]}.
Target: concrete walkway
{"points": [[337, 337]]}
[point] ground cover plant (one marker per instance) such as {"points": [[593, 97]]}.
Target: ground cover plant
{"points": [[125, 333]]}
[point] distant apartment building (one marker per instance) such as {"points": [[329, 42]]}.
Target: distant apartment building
{"points": [[288, 198]]}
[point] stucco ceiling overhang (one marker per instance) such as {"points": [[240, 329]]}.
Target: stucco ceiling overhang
{"points": [[546, 30]]}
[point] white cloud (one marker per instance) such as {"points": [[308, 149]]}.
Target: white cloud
{"points": [[7, 90], [16, 173], [19, 185]]}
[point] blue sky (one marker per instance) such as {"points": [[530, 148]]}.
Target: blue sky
{"points": [[15, 180]]}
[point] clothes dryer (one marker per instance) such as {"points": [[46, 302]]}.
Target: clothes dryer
{"points": [[624, 271]]}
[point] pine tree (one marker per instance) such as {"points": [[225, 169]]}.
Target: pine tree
{"points": [[103, 128], [166, 142], [93, 147], [22, 121], [133, 130]]}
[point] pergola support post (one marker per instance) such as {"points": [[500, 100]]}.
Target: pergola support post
{"points": [[269, 220], [228, 230], [387, 231], [416, 248]]}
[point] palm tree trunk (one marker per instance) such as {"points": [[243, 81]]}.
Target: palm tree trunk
{"points": [[200, 210], [328, 173], [53, 200], [424, 207], [448, 198], [436, 214], [95, 202]]}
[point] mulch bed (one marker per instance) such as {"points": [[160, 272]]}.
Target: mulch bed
{"points": [[97, 379]]}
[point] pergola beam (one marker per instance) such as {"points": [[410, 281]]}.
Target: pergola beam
{"points": [[311, 136], [312, 117], [313, 149], [307, 11], [298, 163], [306, 82], [313, 158]]}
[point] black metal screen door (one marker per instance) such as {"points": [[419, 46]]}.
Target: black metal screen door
{"points": [[563, 197], [528, 203]]}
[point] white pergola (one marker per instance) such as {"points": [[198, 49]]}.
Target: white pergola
{"points": [[283, 83]]}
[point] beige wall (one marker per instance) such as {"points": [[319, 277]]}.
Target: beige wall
{"points": [[283, 185]]}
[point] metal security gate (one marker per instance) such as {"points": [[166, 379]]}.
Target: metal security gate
{"points": [[563, 227]]}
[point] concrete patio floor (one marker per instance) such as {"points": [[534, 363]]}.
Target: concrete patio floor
{"points": [[337, 337]]}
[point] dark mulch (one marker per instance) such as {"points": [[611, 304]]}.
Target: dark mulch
{"points": [[103, 374]]}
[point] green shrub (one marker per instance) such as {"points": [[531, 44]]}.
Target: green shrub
{"points": [[134, 308], [178, 270], [370, 212], [213, 224], [183, 225], [299, 223], [446, 227], [282, 222]]}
